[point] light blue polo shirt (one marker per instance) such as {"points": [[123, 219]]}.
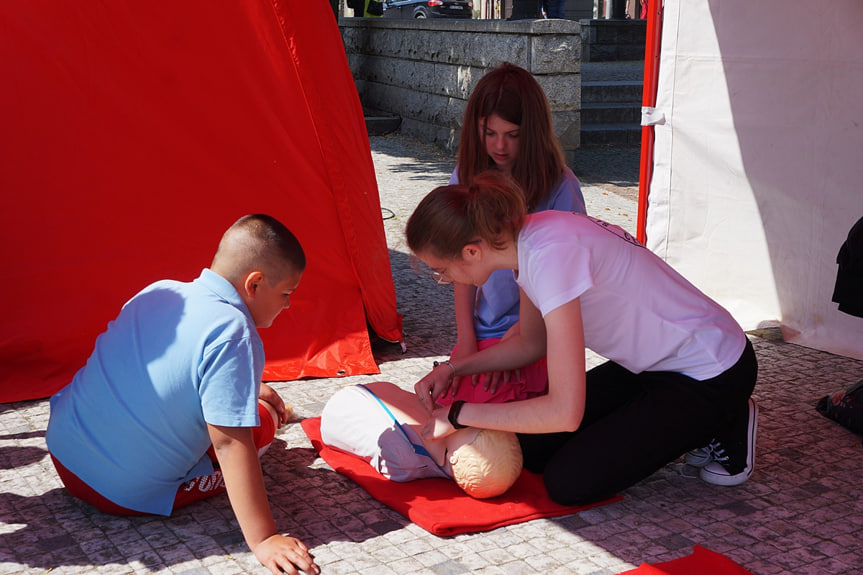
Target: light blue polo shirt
{"points": [[133, 422]]}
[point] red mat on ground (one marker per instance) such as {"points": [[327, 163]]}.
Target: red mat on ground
{"points": [[420, 501], [702, 562]]}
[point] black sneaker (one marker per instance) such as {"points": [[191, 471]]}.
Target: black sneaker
{"points": [[734, 457]]}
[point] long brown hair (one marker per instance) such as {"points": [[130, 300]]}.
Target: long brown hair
{"points": [[513, 94], [450, 217]]}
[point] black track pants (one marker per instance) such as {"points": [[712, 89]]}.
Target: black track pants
{"points": [[633, 425]]}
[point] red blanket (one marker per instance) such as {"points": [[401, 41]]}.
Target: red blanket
{"points": [[420, 500], [702, 561]]}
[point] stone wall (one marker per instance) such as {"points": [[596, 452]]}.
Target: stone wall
{"points": [[424, 70]]}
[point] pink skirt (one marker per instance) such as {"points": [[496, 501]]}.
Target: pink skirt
{"points": [[533, 382]]}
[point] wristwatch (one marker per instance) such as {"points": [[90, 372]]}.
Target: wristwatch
{"points": [[452, 416]]}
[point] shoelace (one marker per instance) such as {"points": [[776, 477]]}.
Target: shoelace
{"points": [[717, 451]]}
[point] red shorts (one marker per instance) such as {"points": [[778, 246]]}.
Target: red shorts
{"points": [[195, 490]]}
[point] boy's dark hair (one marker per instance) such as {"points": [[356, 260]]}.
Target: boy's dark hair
{"points": [[259, 241], [276, 237]]}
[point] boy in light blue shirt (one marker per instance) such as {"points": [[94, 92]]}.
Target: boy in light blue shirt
{"points": [[170, 408]]}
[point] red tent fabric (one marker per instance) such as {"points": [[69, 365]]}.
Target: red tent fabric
{"points": [[134, 133]]}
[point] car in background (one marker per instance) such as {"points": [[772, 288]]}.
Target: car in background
{"points": [[428, 9]]}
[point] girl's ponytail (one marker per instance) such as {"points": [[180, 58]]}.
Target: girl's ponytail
{"points": [[450, 217], [496, 207]]}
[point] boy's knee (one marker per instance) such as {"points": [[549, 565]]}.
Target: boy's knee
{"points": [[265, 433], [271, 411]]}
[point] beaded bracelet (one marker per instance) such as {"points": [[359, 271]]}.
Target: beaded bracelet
{"points": [[446, 362]]}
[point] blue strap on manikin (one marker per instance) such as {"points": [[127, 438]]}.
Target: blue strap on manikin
{"points": [[418, 449]]}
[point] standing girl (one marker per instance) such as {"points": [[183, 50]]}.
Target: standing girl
{"points": [[680, 370], [507, 127]]}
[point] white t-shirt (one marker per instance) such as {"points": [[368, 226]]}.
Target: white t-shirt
{"points": [[636, 310], [496, 306]]}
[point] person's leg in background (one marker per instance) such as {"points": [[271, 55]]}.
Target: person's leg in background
{"points": [[526, 10], [554, 8]]}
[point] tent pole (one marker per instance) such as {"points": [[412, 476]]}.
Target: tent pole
{"points": [[648, 100]]}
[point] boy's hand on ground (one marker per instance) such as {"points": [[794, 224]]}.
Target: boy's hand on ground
{"points": [[282, 554]]}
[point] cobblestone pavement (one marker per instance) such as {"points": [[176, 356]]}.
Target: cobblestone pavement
{"points": [[800, 513]]}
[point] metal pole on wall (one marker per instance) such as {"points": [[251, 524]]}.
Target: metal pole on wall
{"points": [[653, 41]]}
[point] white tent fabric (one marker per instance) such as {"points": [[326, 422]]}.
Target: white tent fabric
{"points": [[758, 161]]}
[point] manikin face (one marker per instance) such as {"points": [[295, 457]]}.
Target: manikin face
{"points": [[265, 302], [455, 442], [501, 141]]}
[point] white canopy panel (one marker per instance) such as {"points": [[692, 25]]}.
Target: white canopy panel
{"points": [[758, 164]]}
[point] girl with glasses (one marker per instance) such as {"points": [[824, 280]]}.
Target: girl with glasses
{"points": [[680, 370]]}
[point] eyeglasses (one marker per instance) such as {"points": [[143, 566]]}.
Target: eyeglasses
{"points": [[440, 277]]}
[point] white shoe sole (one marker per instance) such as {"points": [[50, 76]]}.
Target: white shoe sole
{"points": [[715, 474]]}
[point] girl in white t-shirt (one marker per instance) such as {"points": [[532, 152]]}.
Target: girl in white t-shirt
{"points": [[680, 370]]}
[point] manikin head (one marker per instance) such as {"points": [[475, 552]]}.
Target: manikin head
{"points": [[486, 463]]}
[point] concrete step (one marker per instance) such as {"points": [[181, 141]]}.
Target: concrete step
{"points": [[594, 135], [611, 103], [622, 70], [612, 40], [611, 113], [380, 123], [605, 91]]}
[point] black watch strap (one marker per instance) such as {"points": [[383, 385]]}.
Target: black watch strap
{"points": [[452, 416]]}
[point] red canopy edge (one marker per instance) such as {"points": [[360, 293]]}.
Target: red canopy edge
{"points": [[357, 199], [651, 84]]}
